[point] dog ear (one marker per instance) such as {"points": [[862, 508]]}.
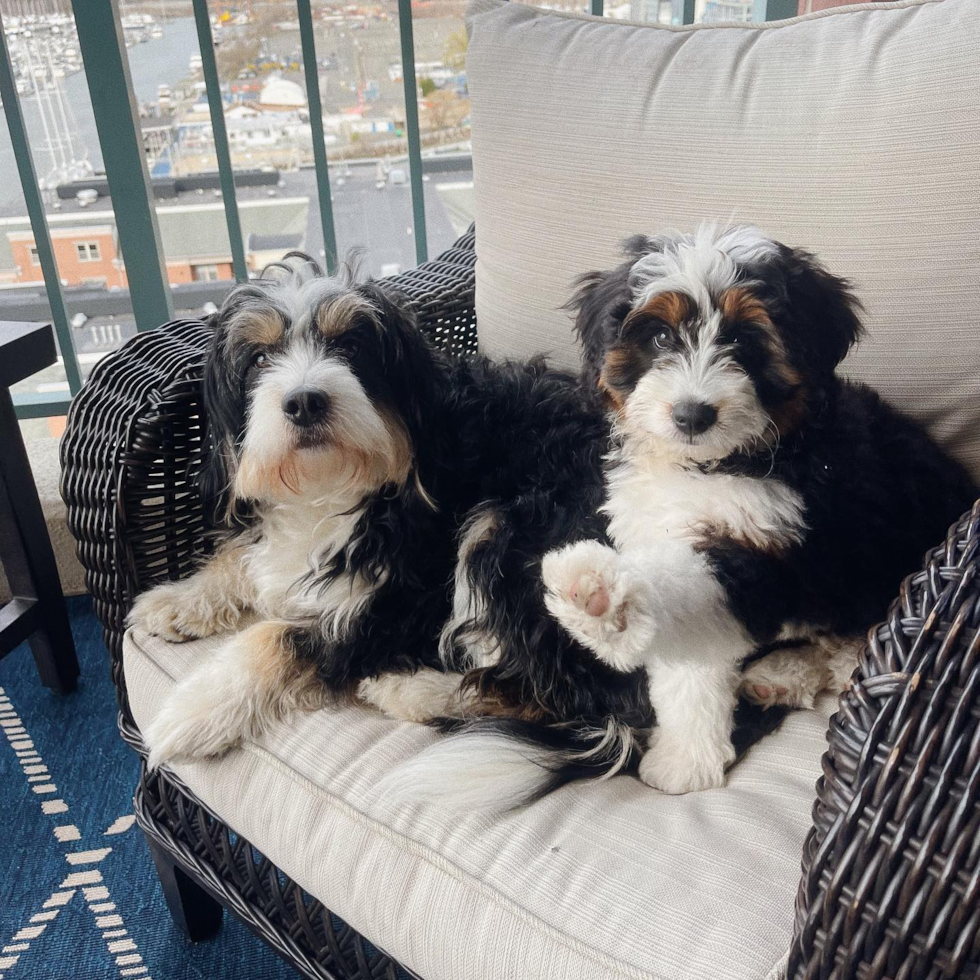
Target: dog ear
{"points": [[223, 401], [821, 313], [601, 302], [409, 362], [411, 366]]}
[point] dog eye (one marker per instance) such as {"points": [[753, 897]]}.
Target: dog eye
{"points": [[260, 359], [662, 339]]}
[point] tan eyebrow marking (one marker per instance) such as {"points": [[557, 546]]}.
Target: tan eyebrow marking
{"points": [[260, 326], [673, 308], [336, 316], [740, 304]]}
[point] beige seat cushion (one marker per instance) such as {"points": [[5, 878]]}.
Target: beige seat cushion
{"points": [[595, 882], [853, 132]]}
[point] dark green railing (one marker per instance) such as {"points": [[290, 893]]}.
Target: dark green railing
{"points": [[316, 131], [226, 173], [100, 38], [103, 47]]}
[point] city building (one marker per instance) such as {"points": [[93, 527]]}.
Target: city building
{"points": [[725, 11], [193, 232], [283, 94], [810, 6]]}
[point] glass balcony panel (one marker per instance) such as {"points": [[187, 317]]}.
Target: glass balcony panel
{"points": [[165, 66], [444, 121]]}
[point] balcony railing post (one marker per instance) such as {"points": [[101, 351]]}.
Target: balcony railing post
{"points": [[775, 9], [35, 211], [316, 131], [687, 11], [596, 7], [412, 127], [226, 172], [100, 38]]}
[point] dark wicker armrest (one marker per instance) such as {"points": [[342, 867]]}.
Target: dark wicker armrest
{"points": [[134, 430], [442, 292], [891, 867], [134, 439]]}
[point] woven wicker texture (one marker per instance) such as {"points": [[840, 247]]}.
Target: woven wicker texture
{"points": [[120, 446], [891, 868]]}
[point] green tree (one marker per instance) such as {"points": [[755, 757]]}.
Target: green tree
{"points": [[454, 50], [427, 87]]}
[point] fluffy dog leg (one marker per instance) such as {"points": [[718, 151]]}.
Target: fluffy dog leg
{"points": [[210, 601], [665, 610], [252, 681], [691, 747]]}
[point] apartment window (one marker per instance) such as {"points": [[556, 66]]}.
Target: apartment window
{"points": [[88, 251], [35, 258], [204, 273]]}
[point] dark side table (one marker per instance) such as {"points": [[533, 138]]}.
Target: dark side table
{"points": [[37, 610]]}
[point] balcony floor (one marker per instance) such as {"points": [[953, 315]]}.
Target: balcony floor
{"points": [[112, 903]]}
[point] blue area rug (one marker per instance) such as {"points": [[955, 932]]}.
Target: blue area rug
{"points": [[79, 898]]}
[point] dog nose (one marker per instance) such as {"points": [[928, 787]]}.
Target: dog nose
{"points": [[693, 418], [306, 406]]}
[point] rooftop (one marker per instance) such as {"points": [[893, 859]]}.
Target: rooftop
{"points": [[366, 216]]}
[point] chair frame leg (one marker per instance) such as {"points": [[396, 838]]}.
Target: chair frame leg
{"points": [[196, 913]]}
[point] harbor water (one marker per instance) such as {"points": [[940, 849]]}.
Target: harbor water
{"points": [[159, 61]]}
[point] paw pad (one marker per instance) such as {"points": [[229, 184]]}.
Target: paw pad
{"points": [[589, 593]]}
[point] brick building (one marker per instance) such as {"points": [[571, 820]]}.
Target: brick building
{"points": [[193, 233]]}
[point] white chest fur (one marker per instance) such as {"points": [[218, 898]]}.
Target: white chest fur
{"points": [[297, 539], [649, 500]]}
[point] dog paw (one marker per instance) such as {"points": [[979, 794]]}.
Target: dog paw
{"points": [[593, 593], [179, 613], [186, 728], [585, 577], [418, 697], [676, 767], [783, 677]]}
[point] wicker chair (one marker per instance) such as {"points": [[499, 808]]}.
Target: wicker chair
{"points": [[891, 867]]}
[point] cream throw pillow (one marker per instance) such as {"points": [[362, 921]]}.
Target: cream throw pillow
{"points": [[854, 133]]}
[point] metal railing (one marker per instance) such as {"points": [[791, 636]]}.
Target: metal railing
{"points": [[103, 50]]}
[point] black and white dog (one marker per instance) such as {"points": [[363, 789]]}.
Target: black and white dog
{"points": [[753, 498], [320, 396]]}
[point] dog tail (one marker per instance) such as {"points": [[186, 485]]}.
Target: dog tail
{"points": [[499, 764], [495, 764]]}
